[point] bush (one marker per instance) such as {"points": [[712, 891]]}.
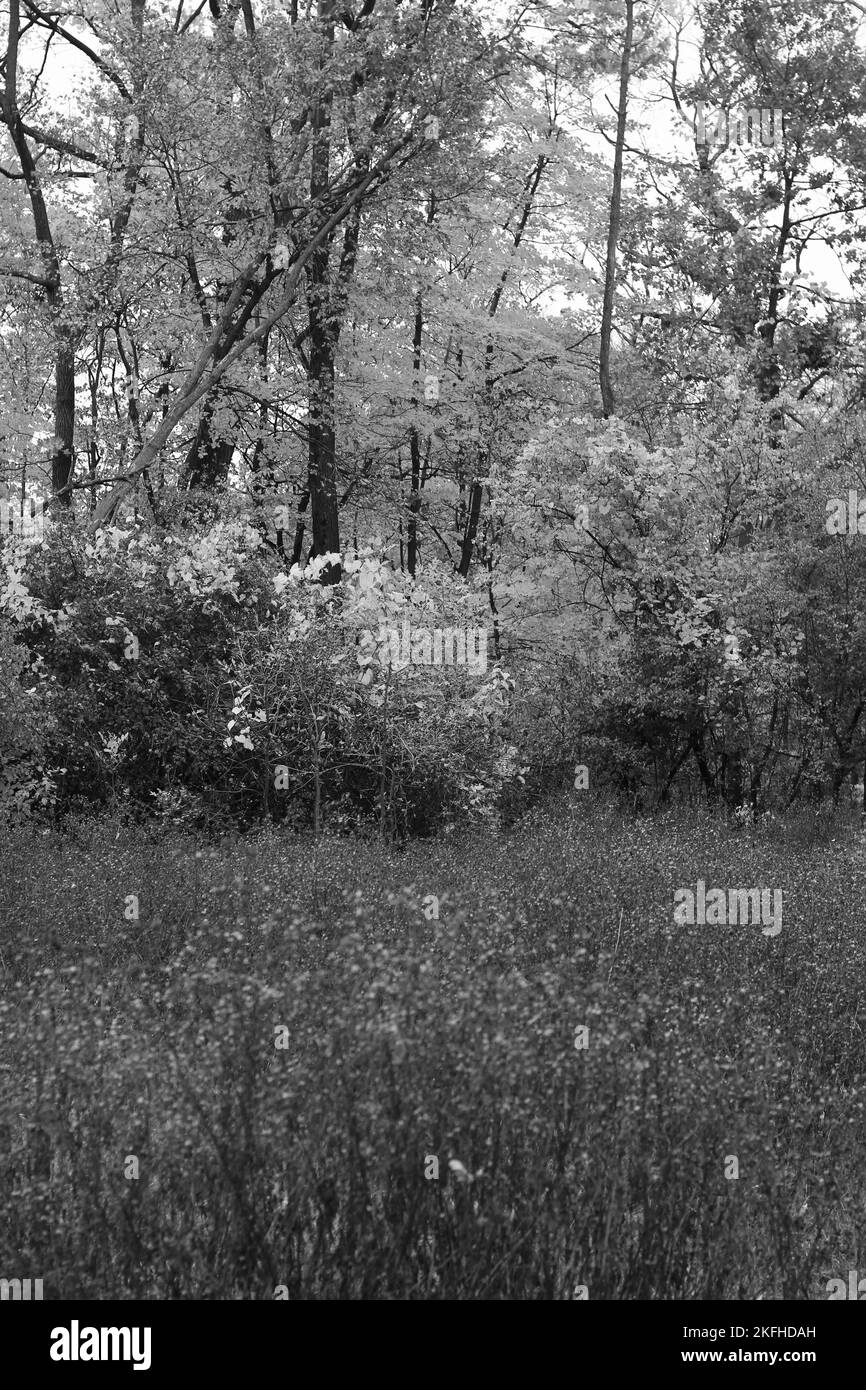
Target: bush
{"points": [[192, 679], [26, 780]]}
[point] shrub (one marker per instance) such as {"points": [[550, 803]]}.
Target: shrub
{"points": [[185, 665]]}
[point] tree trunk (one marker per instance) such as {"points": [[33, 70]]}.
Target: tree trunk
{"points": [[207, 462], [63, 457], [476, 491], [768, 374], [322, 452], [415, 443], [608, 400]]}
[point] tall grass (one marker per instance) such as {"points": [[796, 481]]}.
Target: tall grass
{"points": [[151, 1043]]}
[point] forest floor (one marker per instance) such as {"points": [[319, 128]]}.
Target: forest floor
{"points": [[488, 1065]]}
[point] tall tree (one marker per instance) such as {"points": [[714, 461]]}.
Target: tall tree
{"points": [[67, 313], [607, 395]]}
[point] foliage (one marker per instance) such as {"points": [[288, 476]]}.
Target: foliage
{"points": [[185, 664], [26, 780]]}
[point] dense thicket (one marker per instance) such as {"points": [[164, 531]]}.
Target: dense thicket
{"points": [[321, 318]]}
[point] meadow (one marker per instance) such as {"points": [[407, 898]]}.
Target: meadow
{"points": [[485, 1067]]}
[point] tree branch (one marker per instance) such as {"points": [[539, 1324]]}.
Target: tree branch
{"points": [[25, 275], [201, 378], [104, 68]]}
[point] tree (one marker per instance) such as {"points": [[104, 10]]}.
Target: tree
{"points": [[607, 396]]}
